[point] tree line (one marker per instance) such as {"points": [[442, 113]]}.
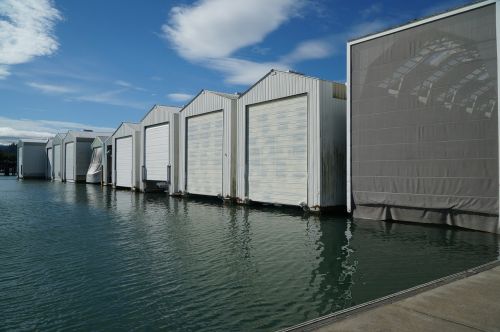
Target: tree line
{"points": [[8, 159]]}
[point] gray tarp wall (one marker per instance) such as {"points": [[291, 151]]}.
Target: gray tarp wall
{"points": [[424, 108]]}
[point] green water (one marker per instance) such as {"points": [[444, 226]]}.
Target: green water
{"points": [[79, 257]]}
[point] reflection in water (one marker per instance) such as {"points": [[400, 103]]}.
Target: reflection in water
{"points": [[446, 61], [90, 258]]}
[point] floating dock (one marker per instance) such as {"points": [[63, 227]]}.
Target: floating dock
{"points": [[467, 301]]}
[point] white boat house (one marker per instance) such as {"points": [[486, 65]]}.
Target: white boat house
{"points": [[31, 159], [159, 156], [291, 142], [57, 156], [126, 146], [208, 145], [77, 154], [95, 171]]}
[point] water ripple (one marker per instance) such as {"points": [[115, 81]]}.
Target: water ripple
{"points": [[81, 257]]}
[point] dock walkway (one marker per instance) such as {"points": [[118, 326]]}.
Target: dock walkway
{"points": [[467, 301]]}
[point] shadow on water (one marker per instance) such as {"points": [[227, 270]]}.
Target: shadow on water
{"points": [[88, 257]]}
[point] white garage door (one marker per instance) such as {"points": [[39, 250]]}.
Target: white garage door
{"points": [[124, 162], [277, 151], [20, 162], [157, 152], [69, 155], [204, 154], [57, 162], [49, 163]]}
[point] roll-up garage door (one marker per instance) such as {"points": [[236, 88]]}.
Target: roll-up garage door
{"points": [[49, 163], [20, 162], [157, 152], [69, 155], [57, 162], [204, 153], [277, 151], [124, 162]]}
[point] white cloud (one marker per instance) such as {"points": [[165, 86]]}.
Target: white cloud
{"points": [[13, 129], [179, 96], [217, 28], [51, 88], [26, 31], [210, 31]]}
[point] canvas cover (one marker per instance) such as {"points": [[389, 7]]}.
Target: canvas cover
{"points": [[95, 169], [424, 120]]}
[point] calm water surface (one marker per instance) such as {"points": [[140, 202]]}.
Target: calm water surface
{"points": [[79, 257]]}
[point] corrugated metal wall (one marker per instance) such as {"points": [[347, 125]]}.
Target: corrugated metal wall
{"points": [[280, 85], [333, 143], [206, 102], [107, 167], [48, 146], [163, 114], [321, 104]]}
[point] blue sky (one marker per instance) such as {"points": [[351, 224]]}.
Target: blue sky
{"points": [[68, 64]]}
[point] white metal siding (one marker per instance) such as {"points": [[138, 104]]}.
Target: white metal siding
{"points": [[205, 135], [157, 152], [281, 85], [207, 102], [20, 162], [124, 161], [57, 162], [49, 163], [277, 151], [69, 163]]}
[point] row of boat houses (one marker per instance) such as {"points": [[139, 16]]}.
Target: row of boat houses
{"points": [[276, 143], [412, 135]]}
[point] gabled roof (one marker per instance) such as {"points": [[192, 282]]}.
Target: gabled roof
{"points": [[85, 134], [173, 109], [59, 138], [131, 125], [101, 139], [287, 72], [220, 94]]}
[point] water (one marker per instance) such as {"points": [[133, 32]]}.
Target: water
{"points": [[80, 257]]}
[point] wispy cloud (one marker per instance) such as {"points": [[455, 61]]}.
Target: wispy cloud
{"points": [[371, 10], [443, 6], [26, 31], [51, 88], [113, 97], [179, 97], [210, 31], [128, 85], [13, 129]]}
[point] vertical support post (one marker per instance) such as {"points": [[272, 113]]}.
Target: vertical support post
{"points": [[497, 21], [348, 130]]}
